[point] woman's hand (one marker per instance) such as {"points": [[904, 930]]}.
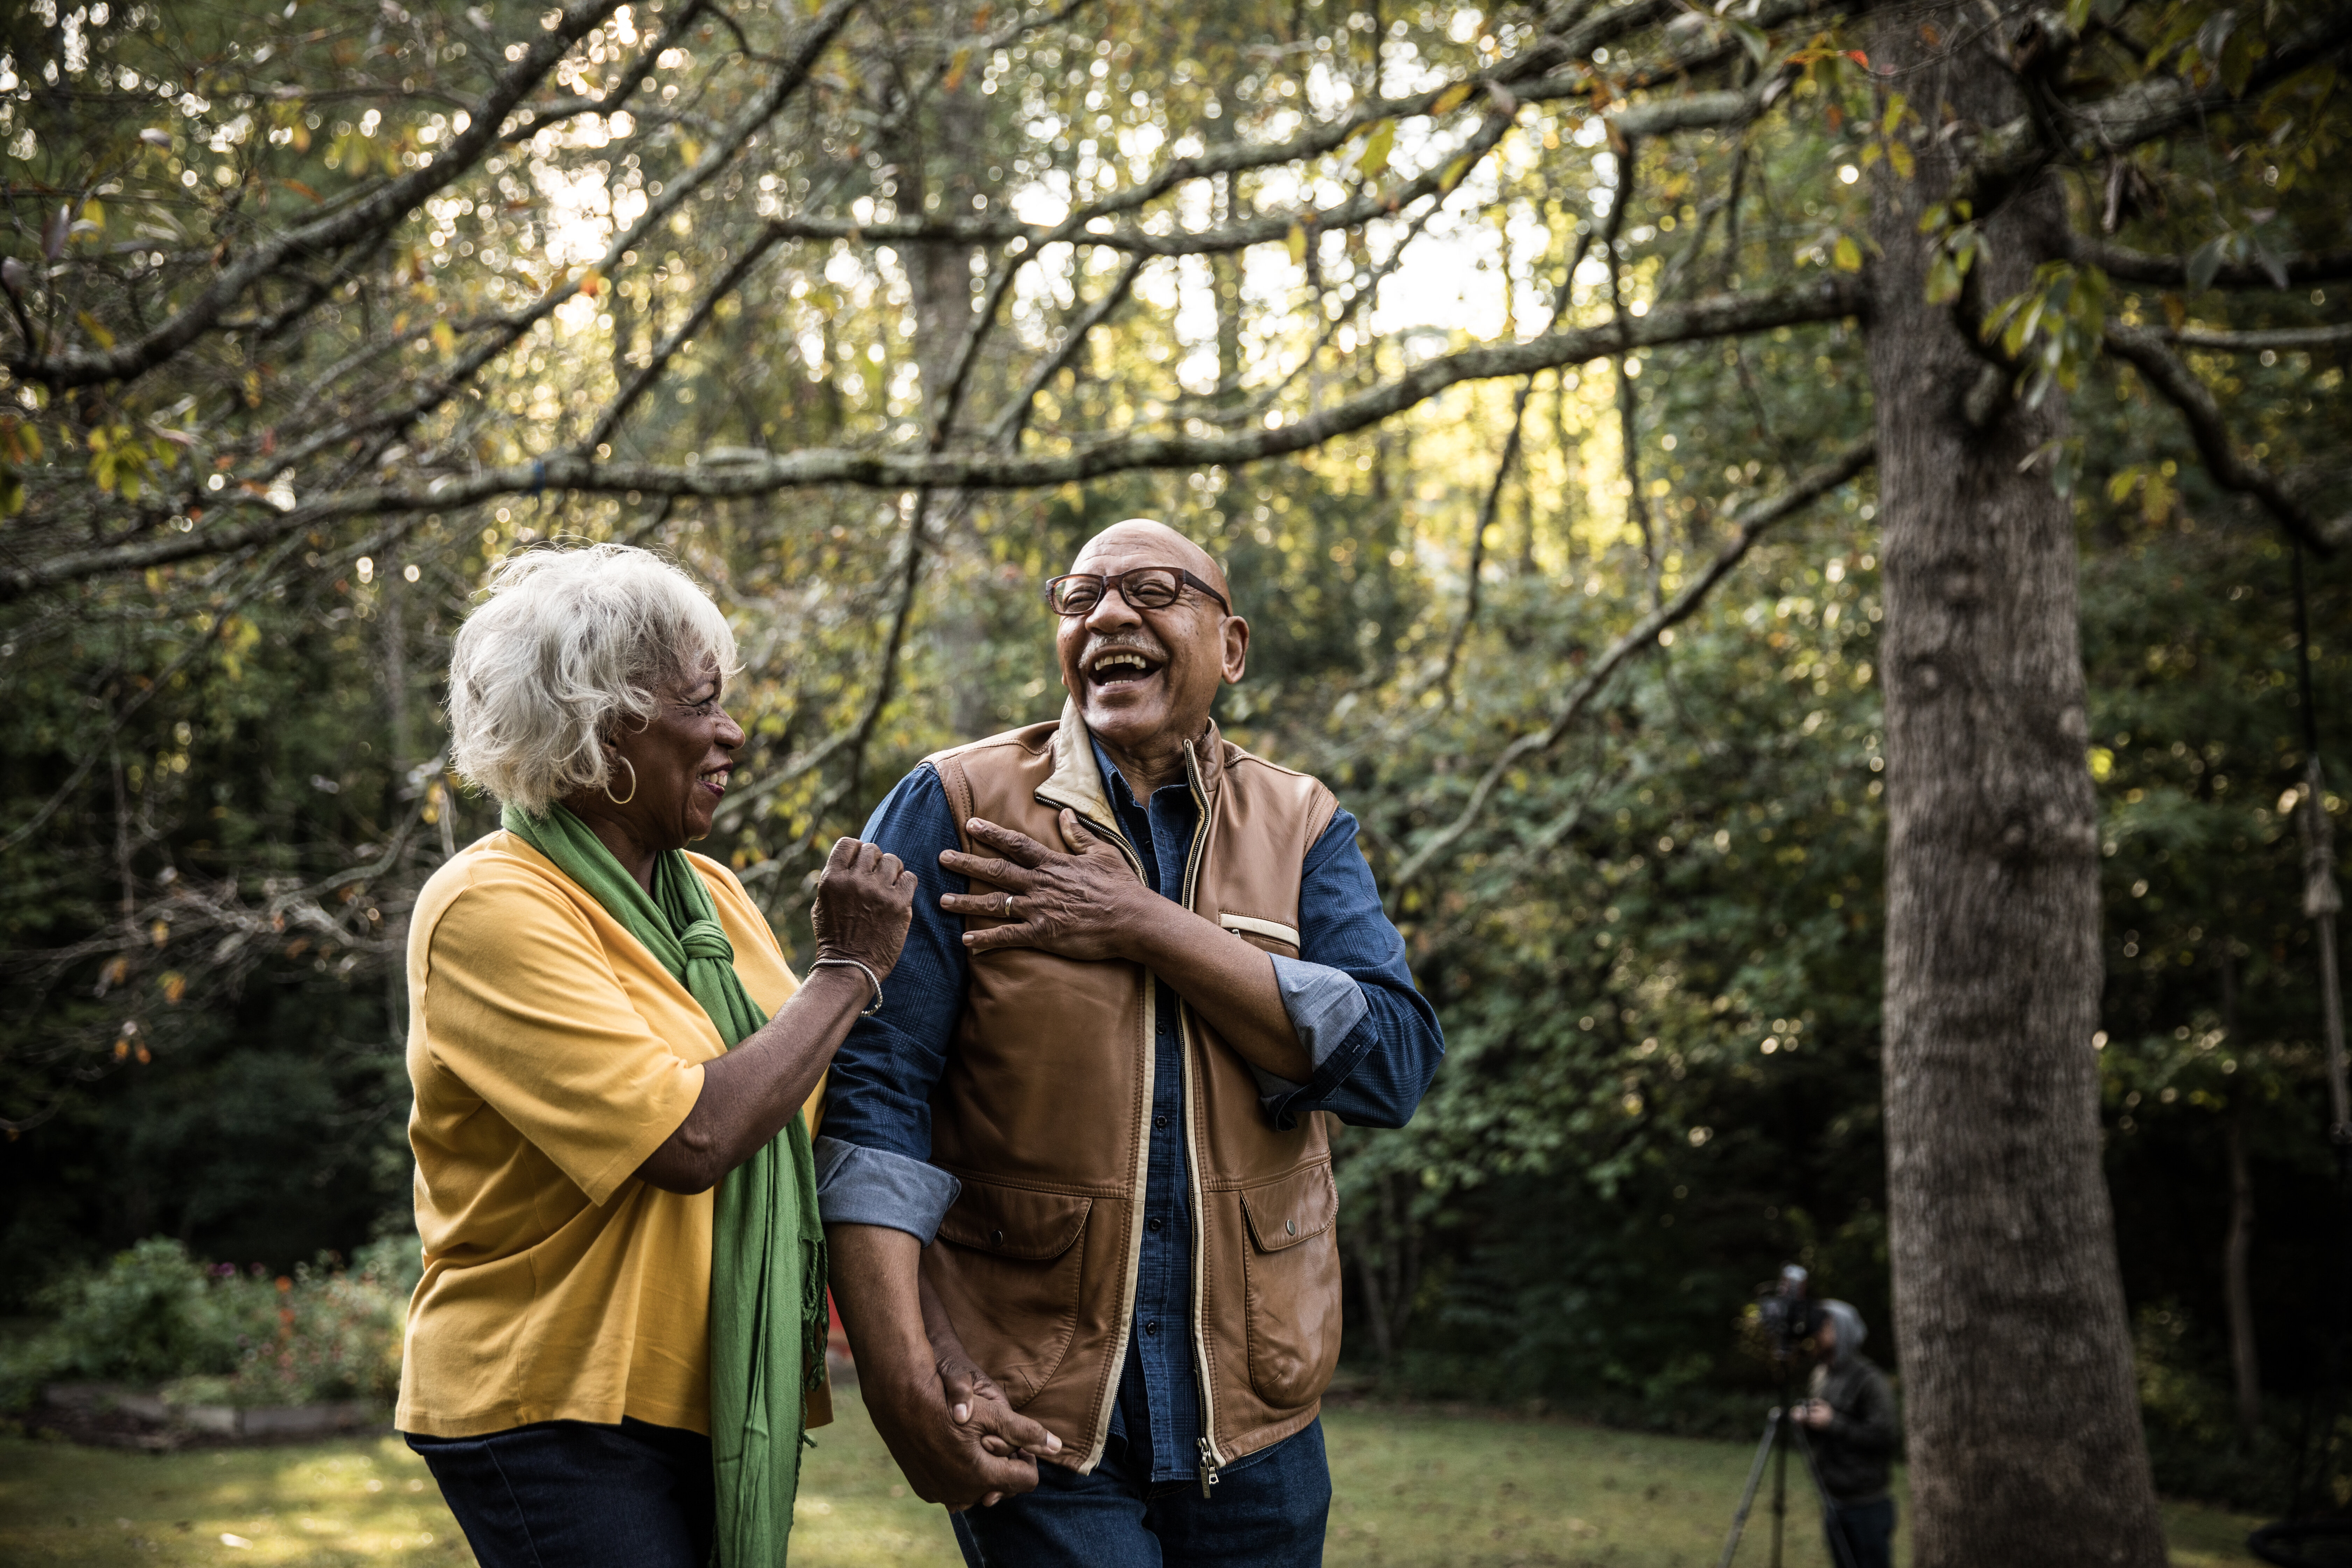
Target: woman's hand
{"points": [[1082, 904], [864, 902]]}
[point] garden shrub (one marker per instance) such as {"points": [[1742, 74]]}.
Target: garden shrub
{"points": [[212, 1333]]}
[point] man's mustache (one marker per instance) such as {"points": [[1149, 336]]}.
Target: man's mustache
{"points": [[1128, 641]]}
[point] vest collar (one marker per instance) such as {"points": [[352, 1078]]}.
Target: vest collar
{"points": [[1077, 783]]}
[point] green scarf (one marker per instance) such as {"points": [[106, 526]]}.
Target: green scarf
{"points": [[768, 1319]]}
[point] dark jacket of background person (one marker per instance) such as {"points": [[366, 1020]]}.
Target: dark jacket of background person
{"points": [[1852, 1451]]}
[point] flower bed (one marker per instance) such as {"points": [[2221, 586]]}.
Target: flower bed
{"points": [[164, 1344]]}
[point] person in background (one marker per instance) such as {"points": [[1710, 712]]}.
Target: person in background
{"points": [[607, 1361], [1077, 1175], [1850, 1418]]}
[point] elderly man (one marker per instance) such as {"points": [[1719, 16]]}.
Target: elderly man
{"points": [[1076, 1175]]}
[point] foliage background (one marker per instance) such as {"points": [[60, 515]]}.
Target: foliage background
{"points": [[1656, 954]]}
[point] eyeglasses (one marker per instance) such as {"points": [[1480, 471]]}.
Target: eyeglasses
{"points": [[1145, 587]]}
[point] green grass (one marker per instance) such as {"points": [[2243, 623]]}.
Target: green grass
{"points": [[1466, 1489]]}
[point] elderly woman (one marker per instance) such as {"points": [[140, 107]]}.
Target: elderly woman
{"points": [[607, 1362]]}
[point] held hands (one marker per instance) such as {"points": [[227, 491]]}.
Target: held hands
{"points": [[864, 902], [961, 1444], [1816, 1413], [1080, 904]]}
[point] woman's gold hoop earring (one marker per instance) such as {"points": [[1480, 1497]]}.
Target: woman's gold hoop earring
{"points": [[622, 799]]}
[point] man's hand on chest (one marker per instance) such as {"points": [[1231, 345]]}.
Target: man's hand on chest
{"points": [[1085, 902]]}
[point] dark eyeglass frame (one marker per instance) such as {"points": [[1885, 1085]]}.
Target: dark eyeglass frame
{"points": [[1110, 580]]}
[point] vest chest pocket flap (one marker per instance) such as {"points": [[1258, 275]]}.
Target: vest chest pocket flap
{"points": [[1010, 1278], [1273, 936], [1292, 1265]]}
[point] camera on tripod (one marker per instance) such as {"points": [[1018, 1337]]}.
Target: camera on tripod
{"points": [[1785, 1317], [1780, 1321]]}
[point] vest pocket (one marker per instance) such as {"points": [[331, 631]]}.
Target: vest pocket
{"points": [[1009, 1274], [1269, 936], [1292, 1273]]}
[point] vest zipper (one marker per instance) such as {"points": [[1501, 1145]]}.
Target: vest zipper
{"points": [[1142, 1153], [1211, 1460]]}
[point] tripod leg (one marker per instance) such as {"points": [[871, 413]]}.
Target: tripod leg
{"points": [[1748, 1493], [1780, 1498]]}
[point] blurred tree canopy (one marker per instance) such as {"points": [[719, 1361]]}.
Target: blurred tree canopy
{"points": [[1514, 359]]}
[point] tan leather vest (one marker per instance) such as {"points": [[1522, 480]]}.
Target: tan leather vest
{"points": [[1044, 1113]]}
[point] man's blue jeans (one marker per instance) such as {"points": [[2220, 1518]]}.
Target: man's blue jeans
{"points": [[571, 1494], [1268, 1511], [1860, 1534]]}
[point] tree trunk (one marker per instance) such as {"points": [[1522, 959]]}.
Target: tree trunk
{"points": [[940, 277], [2023, 1420], [2238, 1246], [2237, 1253]]}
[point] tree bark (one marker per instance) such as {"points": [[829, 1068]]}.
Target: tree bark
{"points": [[2237, 1254], [2023, 1421], [940, 278], [2238, 1246]]}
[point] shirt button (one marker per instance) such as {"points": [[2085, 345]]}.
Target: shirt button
{"points": [[1152, 1327], [1160, 1121], [1151, 1224]]}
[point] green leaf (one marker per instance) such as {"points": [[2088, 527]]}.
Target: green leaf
{"points": [[2237, 60], [1375, 155], [2272, 264], [1943, 280], [1453, 98], [2205, 262], [97, 329], [2067, 470], [1297, 243], [1846, 255], [1899, 155], [1753, 39], [2020, 327]]}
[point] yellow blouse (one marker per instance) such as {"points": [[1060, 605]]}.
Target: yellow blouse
{"points": [[550, 1054]]}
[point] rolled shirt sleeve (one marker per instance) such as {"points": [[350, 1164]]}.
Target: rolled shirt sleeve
{"points": [[1324, 1003], [857, 1185], [1373, 1038]]}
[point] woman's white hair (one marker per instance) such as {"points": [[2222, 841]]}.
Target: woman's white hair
{"points": [[569, 646]]}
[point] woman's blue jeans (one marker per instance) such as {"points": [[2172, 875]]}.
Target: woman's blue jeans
{"points": [[1269, 1511], [571, 1494]]}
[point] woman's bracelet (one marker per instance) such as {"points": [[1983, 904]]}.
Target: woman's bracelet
{"points": [[871, 979]]}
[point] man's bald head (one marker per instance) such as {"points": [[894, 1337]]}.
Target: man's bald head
{"points": [[1144, 680], [1136, 538]]}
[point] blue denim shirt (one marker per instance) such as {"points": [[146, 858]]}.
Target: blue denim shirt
{"points": [[1373, 1040]]}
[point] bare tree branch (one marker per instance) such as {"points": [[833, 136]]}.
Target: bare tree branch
{"points": [[1752, 523], [2010, 153], [1825, 298], [2280, 338], [2172, 271], [1006, 431], [1487, 510], [2230, 469], [383, 205]]}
